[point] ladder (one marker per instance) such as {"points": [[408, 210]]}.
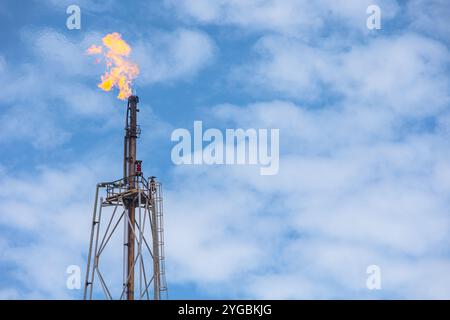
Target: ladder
{"points": [[163, 292]]}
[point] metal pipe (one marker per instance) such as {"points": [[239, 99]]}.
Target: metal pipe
{"points": [[131, 158], [125, 143]]}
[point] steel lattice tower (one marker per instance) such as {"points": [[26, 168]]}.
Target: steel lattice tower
{"points": [[136, 203]]}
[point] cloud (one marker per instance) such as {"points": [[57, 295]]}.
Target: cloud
{"points": [[262, 15], [88, 5], [347, 196], [379, 71], [205, 228], [177, 55], [48, 212], [38, 128], [41, 99], [343, 166], [302, 18], [55, 49], [430, 17]]}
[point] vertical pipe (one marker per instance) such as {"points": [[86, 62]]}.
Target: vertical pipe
{"points": [[132, 136], [125, 144], [125, 176]]}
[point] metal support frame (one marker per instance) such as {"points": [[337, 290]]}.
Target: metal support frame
{"points": [[111, 207]]}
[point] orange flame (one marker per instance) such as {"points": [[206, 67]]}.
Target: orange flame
{"points": [[119, 72]]}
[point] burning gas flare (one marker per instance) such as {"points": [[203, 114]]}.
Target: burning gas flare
{"points": [[119, 71]]}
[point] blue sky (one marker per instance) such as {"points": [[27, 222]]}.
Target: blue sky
{"points": [[363, 115]]}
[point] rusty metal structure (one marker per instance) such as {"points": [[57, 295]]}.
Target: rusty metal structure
{"points": [[136, 203]]}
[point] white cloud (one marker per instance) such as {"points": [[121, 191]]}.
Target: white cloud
{"points": [[347, 196], [353, 187], [296, 17], [38, 127], [209, 239], [262, 15], [38, 97], [95, 6], [430, 17], [54, 49], [50, 213], [172, 56], [379, 72], [9, 294]]}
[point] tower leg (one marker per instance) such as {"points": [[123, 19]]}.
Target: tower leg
{"points": [[130, 254], [88, 282]]}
